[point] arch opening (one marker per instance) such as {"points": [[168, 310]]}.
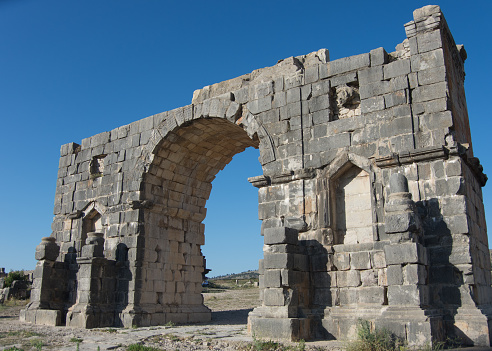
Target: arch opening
{"points": [[178, 184]]}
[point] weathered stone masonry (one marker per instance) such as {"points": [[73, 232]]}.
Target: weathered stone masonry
{"points": [[370, 199]]}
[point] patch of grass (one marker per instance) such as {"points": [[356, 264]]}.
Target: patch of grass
{"points": [[172, 337], [369, 339], [170, 324], [261, 345], [110, 330], [139, 347], [13, 348], [29, 333], [12, 302], [37, 343], [373, 340], [76, 340]]}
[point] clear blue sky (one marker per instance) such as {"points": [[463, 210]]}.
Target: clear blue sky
{"points": [[72, 69]]}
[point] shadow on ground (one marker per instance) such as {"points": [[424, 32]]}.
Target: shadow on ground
{"points": [[231, 317]]}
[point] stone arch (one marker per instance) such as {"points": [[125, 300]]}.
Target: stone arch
{"points": [[173, 194], [222, 107]]}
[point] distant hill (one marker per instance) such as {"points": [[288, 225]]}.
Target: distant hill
{"points": [[243, 275]]}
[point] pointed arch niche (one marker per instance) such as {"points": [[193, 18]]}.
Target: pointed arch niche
{"points": [[349, 202]]}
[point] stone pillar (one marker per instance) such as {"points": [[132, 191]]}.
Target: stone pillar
{"points": [[284, 284], [96, 287], [43, 309], [407, 269]]}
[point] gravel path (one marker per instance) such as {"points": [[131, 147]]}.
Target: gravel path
{"points": [[227, 331]]}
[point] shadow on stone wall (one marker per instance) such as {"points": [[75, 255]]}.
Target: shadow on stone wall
{"points": [[320, 287], [123, 278], [444, 279]]}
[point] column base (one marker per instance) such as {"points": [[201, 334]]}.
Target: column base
{"points": [[40, 316], [183, 314], [87, 316], [412, 324], [278, 326], [471, 325]]}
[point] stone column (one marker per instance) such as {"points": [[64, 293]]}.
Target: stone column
{"points": [[284, 284], [43, 309], [407, 269], [95, 292]]}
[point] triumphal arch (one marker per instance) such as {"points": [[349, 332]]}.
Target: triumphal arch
{"points": [[370, 201]]}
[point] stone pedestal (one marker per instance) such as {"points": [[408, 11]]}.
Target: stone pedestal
{"points": [[95, 289], [284, 284], [44, 307]]}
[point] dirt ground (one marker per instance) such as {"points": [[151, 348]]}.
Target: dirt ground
{"points": [[226, 331]]}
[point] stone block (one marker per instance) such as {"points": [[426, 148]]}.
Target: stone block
{"points": [[457, 224], [275, 328], [455, 205], [431, 75], [293, 95], [301, 262], [427, 60], [429, 92], [396, 68], [400, 222], [272, 278], [260, 105], [267, 210], [396, 98], [345, 65], [47, 317], [373, 104], [319, 103], [373, 295], [290, 110], [423, 13], [374, 89], [280, 235], [370, 75], [325, 279], [47, 250], [378, 57], [415, 274], [405, 253], [369, 277], [277, 297], [311, 74], [320, 88], [360, 260], [344, 79], [292, 278], [278, 261], [348, 296], [295, 80], [394, 275], [407, 295], [398, 126], [348, 278], [342, 261], [439, 120], [378, 259]]}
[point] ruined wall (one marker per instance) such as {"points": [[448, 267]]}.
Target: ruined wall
{"points": [[370, 201]]}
